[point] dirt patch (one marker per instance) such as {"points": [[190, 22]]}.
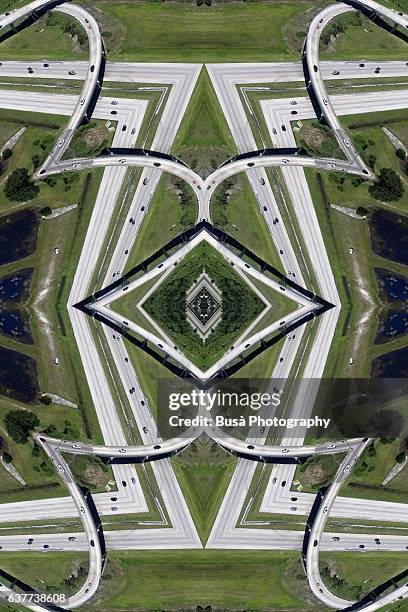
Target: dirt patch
{"points": [[313, 137], [313, 475], [94, 475], [94, 137]]}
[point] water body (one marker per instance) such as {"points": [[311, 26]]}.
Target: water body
{"points": [[14, 319], [18, 376], [391, 365], [393, 292], [16, 286], [18, 235], [389, 235]]}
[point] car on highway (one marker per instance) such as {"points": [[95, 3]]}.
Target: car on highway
{"points": [[325, 101], [133, 131], [293, 112], [377, 70], [265, 208], [335, 72], [145, 429], [71, 72], [114, 102], [293, 508], [124, 128], [114, 112], [114, 508], [335, 539], [283, 483], [262, 181], [71, 539], [361, 65], [45, 65], [315, 68], [293, 102], [283, 127], [251, 164], [46, 546], [293, 499]]}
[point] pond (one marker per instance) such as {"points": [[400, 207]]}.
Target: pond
{"points": [[16, 286], [18, 235], [391, 365], [18, 376], [393, 293], [389, 235], [14, 292]]}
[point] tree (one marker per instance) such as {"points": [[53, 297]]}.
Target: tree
{"points": [[7, 153], [19, 424], [387, 187], [46, 400], [7, 457], [46, 211], [400, 153], [400, 458], [19, 186], [363, 212]]}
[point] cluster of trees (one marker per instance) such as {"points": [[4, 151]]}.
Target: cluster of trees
{"points": [[19, 186], [19, 424], [240, 305], [68, 26], [221, 201], [340, 25], [168, 305], [387, 187], [187, 204]]}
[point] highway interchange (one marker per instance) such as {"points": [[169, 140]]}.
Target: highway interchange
{"points": [[182, 78]]}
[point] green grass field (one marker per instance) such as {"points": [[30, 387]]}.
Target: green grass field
{"points": [[353, 574], [184, 32], [186, 579], [368, 41], [51, 569]]}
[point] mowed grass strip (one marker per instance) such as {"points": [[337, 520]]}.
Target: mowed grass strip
{"points": [[163, 580], [184, 32]]}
